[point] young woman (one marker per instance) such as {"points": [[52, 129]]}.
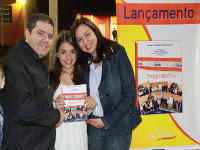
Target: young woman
{"points": [[66, 71], [110, 79]]}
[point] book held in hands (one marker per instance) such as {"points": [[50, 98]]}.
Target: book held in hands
{"points": [[74, 102]]}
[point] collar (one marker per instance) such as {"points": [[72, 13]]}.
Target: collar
{"points": [[92, 67], [21, 43]]}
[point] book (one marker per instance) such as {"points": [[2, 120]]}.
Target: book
{"points": [[74, 103], [159, 76]]}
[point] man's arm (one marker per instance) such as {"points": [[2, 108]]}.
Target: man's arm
{"points": [[21, 104]]}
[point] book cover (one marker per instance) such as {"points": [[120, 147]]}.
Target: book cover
{"points": [[74, 103], [159, 76]]}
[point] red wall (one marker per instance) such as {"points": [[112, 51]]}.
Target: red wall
{"points": [[106, 20], [15, 30], [101, 19]]}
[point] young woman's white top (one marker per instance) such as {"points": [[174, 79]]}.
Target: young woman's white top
{"points": [[70, 135]]}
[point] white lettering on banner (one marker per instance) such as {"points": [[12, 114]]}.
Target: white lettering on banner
{"points": [[161, 135]]}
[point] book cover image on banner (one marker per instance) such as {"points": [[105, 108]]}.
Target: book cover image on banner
{"points": [[159, 72], [74, 102]]}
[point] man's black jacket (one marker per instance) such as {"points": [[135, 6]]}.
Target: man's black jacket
{"points": [[29, 121]]}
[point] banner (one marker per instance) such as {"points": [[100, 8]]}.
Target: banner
{"points": [[159, 74], [141, 22]]}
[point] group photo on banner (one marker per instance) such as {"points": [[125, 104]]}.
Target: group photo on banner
{"points": [[159, 76]]}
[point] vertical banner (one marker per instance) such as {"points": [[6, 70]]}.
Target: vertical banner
{"points": [[161, 38], [159, 74]]}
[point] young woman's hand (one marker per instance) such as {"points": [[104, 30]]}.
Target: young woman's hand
{"points": [[90, 103], [60, 102]]}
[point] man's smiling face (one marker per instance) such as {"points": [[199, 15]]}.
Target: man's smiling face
{"points": [[40, 39]]}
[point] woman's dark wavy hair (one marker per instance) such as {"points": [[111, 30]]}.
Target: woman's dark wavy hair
{"points": [[103, 45], [55, 72]]}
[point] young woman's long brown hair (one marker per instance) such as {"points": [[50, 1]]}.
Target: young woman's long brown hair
{"points": [[55, 72]]}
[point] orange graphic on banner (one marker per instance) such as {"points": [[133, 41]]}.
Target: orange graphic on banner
{"points": [[182, 129], [149, 14], [160, 68], [120, 1], [166, 138], [160, 59]]}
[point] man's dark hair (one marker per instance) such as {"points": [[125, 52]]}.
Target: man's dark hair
{"points": [[38, 17]]}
